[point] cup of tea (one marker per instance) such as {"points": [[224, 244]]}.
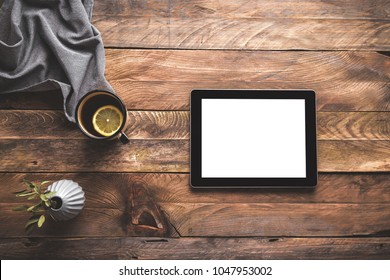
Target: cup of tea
{"points": [[102, 115]]}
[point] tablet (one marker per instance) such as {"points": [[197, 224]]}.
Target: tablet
{"points": [[253, 138]]}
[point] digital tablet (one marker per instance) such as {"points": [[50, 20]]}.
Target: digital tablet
{"points": [[253, 138]]}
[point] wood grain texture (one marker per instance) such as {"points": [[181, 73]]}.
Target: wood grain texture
{"points": [[111, 190], [352, 156], [353, 126], [349, 9], [147, 9], [90, 155], [276, 34], [90, 222], [251, 66], [331, 188], [31, 124], [147, 220], [244, 33], [242, 24], [344, 81], [113, 207], [328, 9], [107, 191], [45, 124], [278, 219], [213, 219], [136, 32], [38, 155], [195, 248], [213, 44], [163, 80], [104, 213], [164, 205]]}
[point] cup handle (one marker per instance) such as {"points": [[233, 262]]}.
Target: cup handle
{"points": [[123, 138]]}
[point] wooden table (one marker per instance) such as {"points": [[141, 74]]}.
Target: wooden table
{"points": [[139, 203]]}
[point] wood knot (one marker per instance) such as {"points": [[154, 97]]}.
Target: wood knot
{"points": [[146, 217]]}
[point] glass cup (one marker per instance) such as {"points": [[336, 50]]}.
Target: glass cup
{"points": [[87, 107]]}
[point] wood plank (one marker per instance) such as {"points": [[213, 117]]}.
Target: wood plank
{"points": [[243, 24], [111, 202], [90, 222], [251, 66], [278, 219], [173, 95], [133, 32], [352, 156], [162, 80], [38, 124], [116, 202], [273, 34], [349, 9], [110, 190], [344, 81], [44, 124], [147, 9], [38, 155], [101, 190], [93, 222], [89, 155], [353, 126], [356, 94], [328, 9], [195, 248], [214, 219], [331, 188]]}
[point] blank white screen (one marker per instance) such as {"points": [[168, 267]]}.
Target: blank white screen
{"points": [[253, 138]]}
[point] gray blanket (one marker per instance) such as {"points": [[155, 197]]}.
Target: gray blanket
{"points": [[46, 44]]}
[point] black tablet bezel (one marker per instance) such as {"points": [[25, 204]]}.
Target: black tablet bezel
{"points": [[196, 139]]}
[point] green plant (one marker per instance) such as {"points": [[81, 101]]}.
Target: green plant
{"points": [[35, 192]]}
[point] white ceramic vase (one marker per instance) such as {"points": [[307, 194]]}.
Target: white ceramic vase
{"points": [[69, 197]]}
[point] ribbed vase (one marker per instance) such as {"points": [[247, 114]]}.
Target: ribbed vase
{"points": [[70, 197]]}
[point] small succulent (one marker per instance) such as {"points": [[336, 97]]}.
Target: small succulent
{"points": [[42, 196]]}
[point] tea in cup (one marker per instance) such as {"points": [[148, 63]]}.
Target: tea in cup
{"points": [[102, 115]]}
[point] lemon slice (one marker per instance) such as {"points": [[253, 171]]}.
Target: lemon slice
{"points": [[107, 120]]}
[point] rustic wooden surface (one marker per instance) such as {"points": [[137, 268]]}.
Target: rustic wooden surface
{"points": [[196, 248], [139, 203], [265, 25]]}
